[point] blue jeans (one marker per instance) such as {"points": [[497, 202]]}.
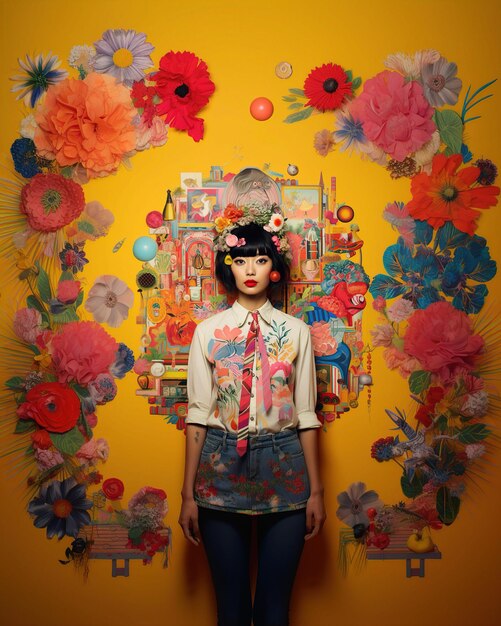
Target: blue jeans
{"points": [[227, 540]]}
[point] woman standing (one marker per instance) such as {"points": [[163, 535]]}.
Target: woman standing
{"points": [[251, 437]]}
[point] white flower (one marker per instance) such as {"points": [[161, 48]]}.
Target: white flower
{"points": [[410, 66], [82, 58], [109, 300], [476, 404], [424, 155], [28, 127], [276, 222], [474, 450], [354, 502]]}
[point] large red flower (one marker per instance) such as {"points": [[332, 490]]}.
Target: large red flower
{"points": [[53, 406], [184, 87], [327, 87], [51, 201], [449, 195]]}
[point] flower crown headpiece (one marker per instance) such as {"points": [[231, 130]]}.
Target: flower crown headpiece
{"points": [[269, 216]]}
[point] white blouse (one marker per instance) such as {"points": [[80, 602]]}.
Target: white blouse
{"points": [[215, 372]]}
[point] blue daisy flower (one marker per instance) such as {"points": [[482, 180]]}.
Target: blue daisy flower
{"points": [[350, 133], [61, 507], [39, 74]]}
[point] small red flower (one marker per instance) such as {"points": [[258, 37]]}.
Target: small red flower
{"points": [[327, 87], [113, 488]]}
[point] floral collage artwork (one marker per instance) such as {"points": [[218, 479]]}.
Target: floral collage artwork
{"points": [[83, 123], [327, 286], [433, 327]]}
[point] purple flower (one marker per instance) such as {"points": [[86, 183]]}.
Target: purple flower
{"points": [[124, 54]]}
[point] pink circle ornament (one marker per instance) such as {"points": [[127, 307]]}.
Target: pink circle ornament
{"points": [[154, 219], [261, 109]]}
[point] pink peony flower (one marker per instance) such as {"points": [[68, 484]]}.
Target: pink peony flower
{"points": [[151, 135], [67, 291], [395, 114], [81, 351], [86, 121], [51, 201], [322, 339], [94, 450], [400, 310], [231, 241], [46, 459], [141, 366], [442, 339], [109, 300], [28, 324], [382, 335], [395, 359]]}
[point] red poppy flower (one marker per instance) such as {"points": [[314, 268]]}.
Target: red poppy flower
{"points": [[184, 87], [53, 406], [446, 195], [327, 87], [113, 488]]}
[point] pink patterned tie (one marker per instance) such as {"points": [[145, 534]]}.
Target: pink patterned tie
{"points": [[248, 367]]}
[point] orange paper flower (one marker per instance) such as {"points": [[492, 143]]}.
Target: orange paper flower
{"points": [[449, 195], [87, 121]]}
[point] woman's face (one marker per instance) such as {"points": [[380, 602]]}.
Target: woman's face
{"points": [[252, 274]]}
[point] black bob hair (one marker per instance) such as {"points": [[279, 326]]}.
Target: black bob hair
{"points": [[257, 242]]}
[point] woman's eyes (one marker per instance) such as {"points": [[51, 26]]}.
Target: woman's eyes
{"points": [[263, 260]]}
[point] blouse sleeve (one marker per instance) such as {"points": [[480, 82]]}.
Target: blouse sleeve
{"points": [[305, 386], [199, 384]]}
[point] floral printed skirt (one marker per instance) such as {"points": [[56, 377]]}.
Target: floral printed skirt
{"points": [[270, 477]]}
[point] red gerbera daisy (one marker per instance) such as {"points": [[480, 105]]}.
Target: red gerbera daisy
{"points": [[184, 87], [449, 195], [327, 87]]}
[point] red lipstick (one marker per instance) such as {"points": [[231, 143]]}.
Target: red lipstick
{"points": [[250, 283]]}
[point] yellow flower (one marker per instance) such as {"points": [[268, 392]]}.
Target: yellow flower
{"points": [[43, 359], [222, 223]]}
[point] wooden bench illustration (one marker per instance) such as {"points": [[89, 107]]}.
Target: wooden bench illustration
{"points": [[109, 541], [398, 550]]}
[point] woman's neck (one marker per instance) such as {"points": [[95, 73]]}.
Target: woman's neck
{"points": [[252, 303]]}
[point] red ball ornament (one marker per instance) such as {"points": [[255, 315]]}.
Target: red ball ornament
{"points": [[275, 276], [345, 214], [261, 109]]}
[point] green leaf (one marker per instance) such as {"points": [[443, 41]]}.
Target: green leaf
{"points": [[16, 382], [67, 171], [447, 506], [69, 315], [43, 285], [288, 98], [356, 82], [472, 433], [34, 303], [349, 75], [295, 105], [24, 426], [135, 534], [297, 92], [419, 381], [300, 115], [67, 275], [411, 488], [450, 127], [79, 300], [69, 442]]}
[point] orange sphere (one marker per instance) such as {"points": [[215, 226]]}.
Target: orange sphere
{"points": [[345, 214], [261, 109]]}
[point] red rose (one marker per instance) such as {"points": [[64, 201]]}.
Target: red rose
{"points": [[113, 488], [53, 406]]}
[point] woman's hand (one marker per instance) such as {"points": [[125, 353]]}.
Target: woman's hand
{"points": [[188, 520], [315, 515]]}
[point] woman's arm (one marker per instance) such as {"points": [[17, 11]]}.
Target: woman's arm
{"points": [[315, 509], [188, 517]]}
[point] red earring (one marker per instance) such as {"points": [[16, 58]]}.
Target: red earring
{"points": [[275, 276]]}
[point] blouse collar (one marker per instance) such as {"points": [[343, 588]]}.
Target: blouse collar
{"points": [[241, 313]]}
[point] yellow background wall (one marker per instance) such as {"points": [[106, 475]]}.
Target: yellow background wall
{"points": [[242, 42]]}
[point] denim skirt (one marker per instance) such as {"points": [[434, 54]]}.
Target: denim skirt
{"points": [[270, 477]]}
